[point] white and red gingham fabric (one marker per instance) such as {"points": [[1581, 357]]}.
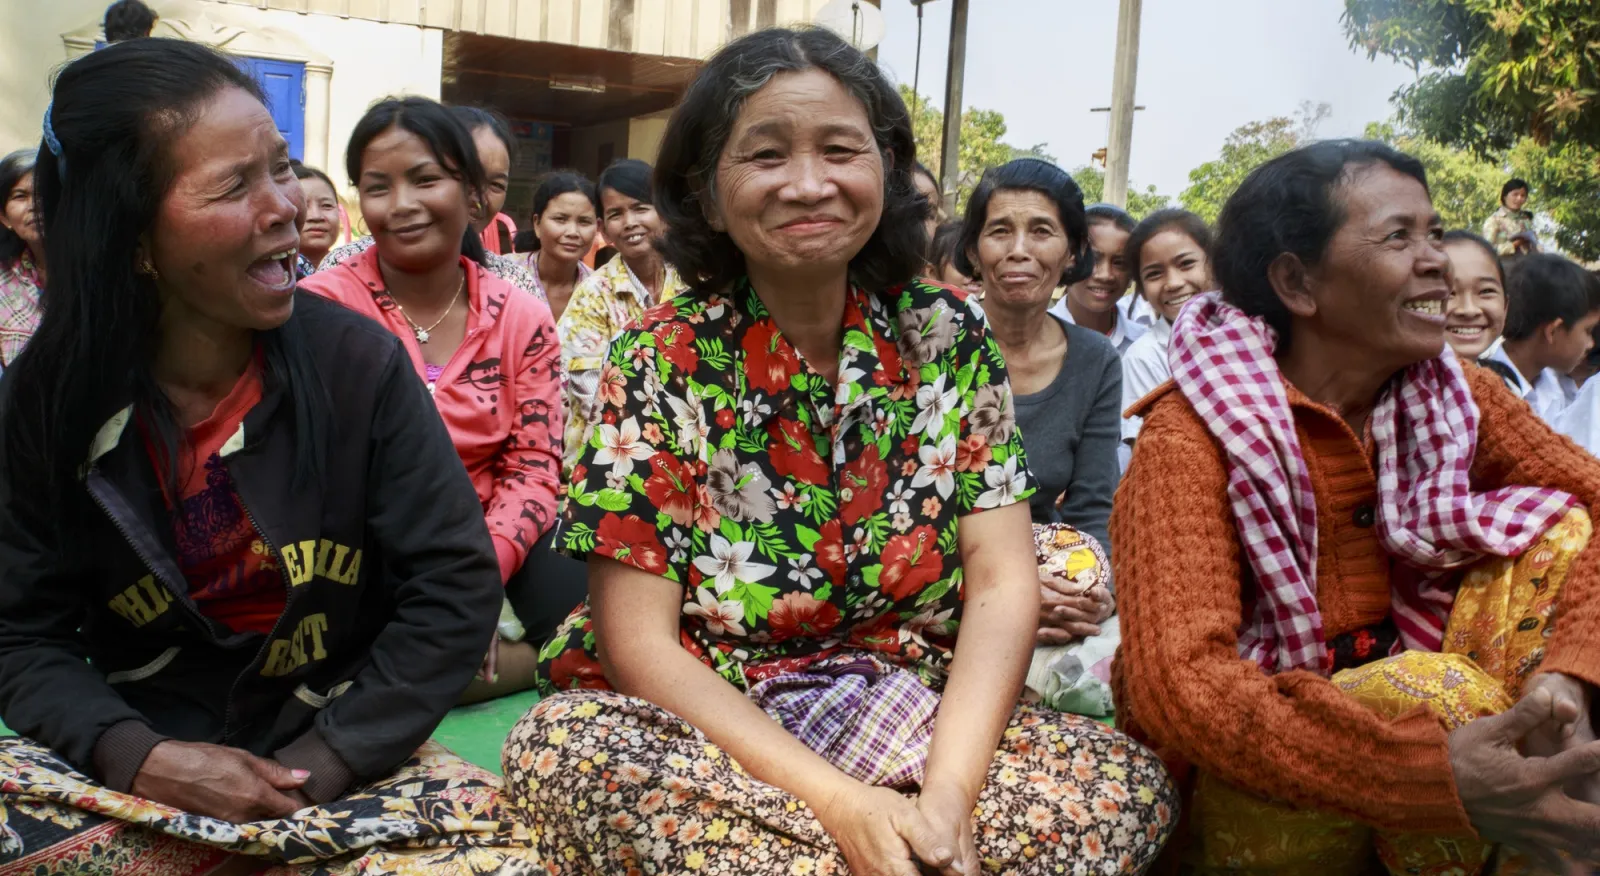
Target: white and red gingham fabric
{"points": [[1425, 426]]}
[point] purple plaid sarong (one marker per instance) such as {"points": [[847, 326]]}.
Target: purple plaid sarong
{"points": [[865, 716]]}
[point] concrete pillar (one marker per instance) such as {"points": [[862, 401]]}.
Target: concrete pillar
{"points": [[1124, 83], [955, 76]]}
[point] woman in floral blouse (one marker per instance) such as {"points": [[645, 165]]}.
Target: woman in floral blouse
{"points": [[1509, 229], [613, 296], [21, 257], [804, 509]]}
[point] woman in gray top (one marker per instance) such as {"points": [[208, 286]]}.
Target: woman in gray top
{"points": [[1024, 234]]}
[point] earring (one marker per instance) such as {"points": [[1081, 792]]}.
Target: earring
{"points": [[148, 268]]}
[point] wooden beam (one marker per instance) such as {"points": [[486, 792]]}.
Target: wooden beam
{"points": [[955, 79], [1124, 83]]}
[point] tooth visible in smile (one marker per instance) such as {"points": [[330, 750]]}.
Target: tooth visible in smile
{"points": [[1431, 307], [1467, 332]]}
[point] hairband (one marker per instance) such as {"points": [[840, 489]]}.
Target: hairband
{"points": [[53, 143]]}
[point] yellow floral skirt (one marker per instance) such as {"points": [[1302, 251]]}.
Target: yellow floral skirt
{"points": [[437, 815], [1494, 643]]}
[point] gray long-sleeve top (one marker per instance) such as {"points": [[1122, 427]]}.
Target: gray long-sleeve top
{"points": [[1070, 431]]}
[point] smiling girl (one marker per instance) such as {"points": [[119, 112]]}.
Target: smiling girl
{"points": [[1476, 315], [1169, 254]]}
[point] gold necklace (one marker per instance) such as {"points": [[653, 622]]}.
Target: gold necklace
{"points": [[424, 333]]}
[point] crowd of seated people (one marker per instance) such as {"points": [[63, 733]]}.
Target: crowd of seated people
{"points": [[828, 533]]}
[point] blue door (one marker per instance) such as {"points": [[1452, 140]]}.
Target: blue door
{"points": [[284, 82]]}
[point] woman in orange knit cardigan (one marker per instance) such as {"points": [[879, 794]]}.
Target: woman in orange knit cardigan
{"points": [[1361, 612]]}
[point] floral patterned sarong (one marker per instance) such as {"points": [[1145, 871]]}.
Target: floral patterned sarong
{"points": [[437, 814]]}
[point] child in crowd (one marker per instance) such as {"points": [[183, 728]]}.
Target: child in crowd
{"points": [[1170, 255], [942, 260], [1094, 303], [1476, 314], [1554, 306]]}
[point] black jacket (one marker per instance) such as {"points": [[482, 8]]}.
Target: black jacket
{"points": [[393, 584]]}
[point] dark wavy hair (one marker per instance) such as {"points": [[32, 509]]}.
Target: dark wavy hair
{"points": [[685, 179], [1542, 288], [127, 20], [446, 137], [116, 114], [554, 185], [1291, 205], [1157, 222], [1029, 175], [12, 169]]}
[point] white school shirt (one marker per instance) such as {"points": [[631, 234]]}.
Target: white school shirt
{"points": [[1144, 367], [1123, 333], [1138, 310], [1548, 394]]}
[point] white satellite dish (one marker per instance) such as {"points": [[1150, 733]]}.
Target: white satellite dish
{"points": [[858, 21]]}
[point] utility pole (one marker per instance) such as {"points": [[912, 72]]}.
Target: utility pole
{"points": [[955, 75], [1124, 82]]}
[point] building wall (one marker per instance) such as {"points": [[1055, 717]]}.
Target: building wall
{"points": [[645, 134], [591, 146], [351, 62], [675, 28]]}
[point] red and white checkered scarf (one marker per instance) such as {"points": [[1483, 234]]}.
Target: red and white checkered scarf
{"points": [[1425, 426]]}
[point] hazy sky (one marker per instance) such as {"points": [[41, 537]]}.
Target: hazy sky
{"points": [[1205, 68]]}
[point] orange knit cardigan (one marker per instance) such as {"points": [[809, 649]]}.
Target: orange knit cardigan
{"points": [[1180, 684]]}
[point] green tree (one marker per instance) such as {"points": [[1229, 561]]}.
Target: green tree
{"points": [[1499, 70], [982, 145], [1465, 186], [1565, 178], [1140, 203], [1514, 81], [1250, 145]]}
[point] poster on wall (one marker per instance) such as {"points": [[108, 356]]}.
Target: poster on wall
{"points": [[535, 158]]}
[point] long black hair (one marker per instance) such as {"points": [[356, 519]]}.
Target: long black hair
{"points": [[12, 169], [554, 185], [445, 135], [108, 167]]}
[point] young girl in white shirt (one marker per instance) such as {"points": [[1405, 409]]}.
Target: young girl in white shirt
{"points": [[1169, 253]]}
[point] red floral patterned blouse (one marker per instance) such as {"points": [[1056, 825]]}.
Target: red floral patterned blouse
{"points": [[801, 519]]}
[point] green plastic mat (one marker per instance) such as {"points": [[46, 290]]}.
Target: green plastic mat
{"points": [[477, 732]]}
